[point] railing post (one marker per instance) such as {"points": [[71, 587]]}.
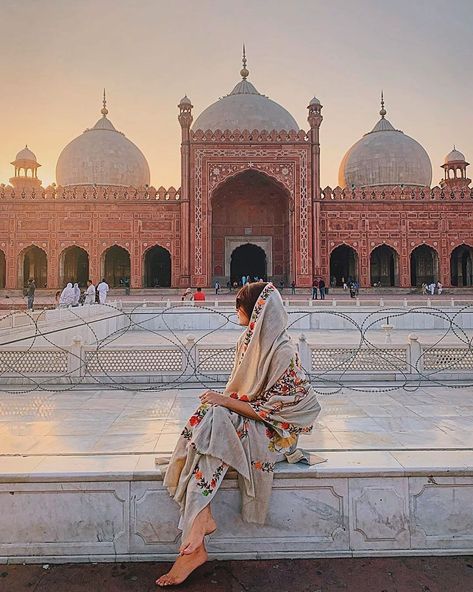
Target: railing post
{"points": [[414, 352], [357, 301], [334, 303], [189, 356], [304, 353], [74, 358]]}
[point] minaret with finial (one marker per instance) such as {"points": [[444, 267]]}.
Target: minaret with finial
{"points": [[185, 119], [244, 72], [315, 120]]}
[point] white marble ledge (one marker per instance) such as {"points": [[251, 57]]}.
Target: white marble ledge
{"points": [[142, 467]]}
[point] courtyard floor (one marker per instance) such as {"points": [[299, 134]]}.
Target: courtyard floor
{"points": [[390, 574]]}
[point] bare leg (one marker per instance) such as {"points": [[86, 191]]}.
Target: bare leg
{"points": [[183, 567], [203, 524]]}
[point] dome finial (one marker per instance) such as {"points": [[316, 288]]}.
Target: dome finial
{"points": [[383, 110], [104, 109], [244, 71]]}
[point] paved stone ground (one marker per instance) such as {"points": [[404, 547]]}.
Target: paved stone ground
{"points": [[392, 574]]}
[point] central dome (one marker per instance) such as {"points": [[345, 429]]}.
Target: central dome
{"points": [[102, 156], [245, 109], [385, 156]]}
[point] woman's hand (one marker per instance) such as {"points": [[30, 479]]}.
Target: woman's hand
{"points": [[213, 398]]}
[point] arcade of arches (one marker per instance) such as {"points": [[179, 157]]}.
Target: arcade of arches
{"points": [[250, 208]]}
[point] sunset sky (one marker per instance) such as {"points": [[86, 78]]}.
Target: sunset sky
{"points": [[56, 56]]}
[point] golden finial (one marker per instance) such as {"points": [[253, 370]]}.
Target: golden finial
{"points": [[104, 109], [383, 110], [244, 71]]}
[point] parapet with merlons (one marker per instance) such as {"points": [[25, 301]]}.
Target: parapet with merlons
{"points": [[255, 136], [396, 193], [90, 193]]}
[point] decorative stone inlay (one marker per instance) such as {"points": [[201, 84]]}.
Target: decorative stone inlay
{"points": [[252, 159]]}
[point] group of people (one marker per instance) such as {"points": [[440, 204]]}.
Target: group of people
{"points": [[432, 288], [352, 285], [198, 295], [318, 288], [72, 295]]}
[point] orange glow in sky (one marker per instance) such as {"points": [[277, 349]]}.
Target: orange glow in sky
{"points": [[58, 55]]}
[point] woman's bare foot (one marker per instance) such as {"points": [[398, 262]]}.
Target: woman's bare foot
{"points": [[183, 567], [203, 525]]}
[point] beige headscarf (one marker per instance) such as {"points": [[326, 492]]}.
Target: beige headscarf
{"points": [[264, 350]]}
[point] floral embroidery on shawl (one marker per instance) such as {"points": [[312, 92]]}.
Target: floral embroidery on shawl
{"points": [[265, 466], [207, 487]]}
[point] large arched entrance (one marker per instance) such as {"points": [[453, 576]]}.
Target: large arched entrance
{"points": [[424, 265], [251, 208], [33, 264], [157, 268], [384, 267], [116, 266], [3, 270], [74, 266], [343, 264], [461, 266], [248, 260]]}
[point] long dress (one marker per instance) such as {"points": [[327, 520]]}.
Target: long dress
{"points": [[215, 438]]}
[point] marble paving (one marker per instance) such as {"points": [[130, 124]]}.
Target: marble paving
{"points": [[387, 423]]}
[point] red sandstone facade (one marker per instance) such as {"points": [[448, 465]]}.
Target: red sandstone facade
{"points": [[252, 190]]}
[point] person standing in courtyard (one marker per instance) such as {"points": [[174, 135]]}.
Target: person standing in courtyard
{"points": [[76, 289], [30, 290], [217, 287], [322, 289], [315, 286], [90, 293], [293, 287], [266, 404], [103, 289]]}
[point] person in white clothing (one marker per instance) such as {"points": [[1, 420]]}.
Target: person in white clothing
{"points": [[103, 289], [439, 288], [76, 294], [90, 293], [67, 296]]}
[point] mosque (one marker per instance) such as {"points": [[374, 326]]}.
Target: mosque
{"points": [[250, 202]]}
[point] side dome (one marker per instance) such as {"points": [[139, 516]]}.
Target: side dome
{"points": [[385, 156], [102, 156], [245, 109]]}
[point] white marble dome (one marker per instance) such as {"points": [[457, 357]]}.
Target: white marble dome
{"points": [[385, 156], [245, 109], [102, 156], [455, 156], [26, 154]]}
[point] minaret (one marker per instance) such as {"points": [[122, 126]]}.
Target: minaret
{"points": [[455, 170], [315, 119], [185, 119], [25, 161]]}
